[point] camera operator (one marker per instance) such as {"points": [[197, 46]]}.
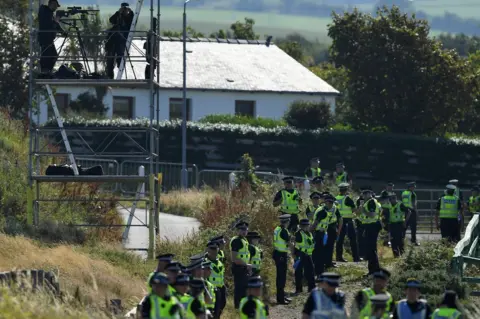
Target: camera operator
{"points": [[117, 37], [151, 51], [48, 27]]}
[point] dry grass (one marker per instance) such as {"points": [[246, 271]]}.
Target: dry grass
{"points": [[189, 203], [95, 278]]}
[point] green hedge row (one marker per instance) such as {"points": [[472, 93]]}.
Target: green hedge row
{"points": [[378, 156]]}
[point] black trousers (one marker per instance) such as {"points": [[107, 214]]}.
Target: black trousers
{"points": [[361, 239], [48, 57], [281, 262], [240, 279], [220, 301], [349, 230], [304, 270], [371, 237], [292, 227], [148, 67], [449, 229], [115, 50], [330, 246], [318, 253], [397, 239], [412, 223]]}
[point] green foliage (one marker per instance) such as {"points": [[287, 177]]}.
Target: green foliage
{"points": [[239, 30], [430, 264], [404, 80], [309, 115], [461, 43], [239, 119], [246, 176], [191, 32], [88, 103], [293, 49]]}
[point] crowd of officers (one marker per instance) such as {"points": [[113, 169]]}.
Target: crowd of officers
{"points": [[198, 290]]}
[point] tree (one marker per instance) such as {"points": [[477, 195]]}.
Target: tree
{"points": [[239, 30], [293, 49], [308, 115], [399, 78], [191, 32], [88, 103]]}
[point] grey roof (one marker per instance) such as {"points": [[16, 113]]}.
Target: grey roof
{"points": [[229, 65]]}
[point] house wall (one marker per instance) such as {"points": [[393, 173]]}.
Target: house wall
{"points": [[270, 105]]}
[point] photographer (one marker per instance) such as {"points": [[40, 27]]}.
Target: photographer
{"points": [[117, 37], [48, 27], [151, 51]]}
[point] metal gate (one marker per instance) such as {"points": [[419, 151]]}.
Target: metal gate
{"points": [[110, 167]]}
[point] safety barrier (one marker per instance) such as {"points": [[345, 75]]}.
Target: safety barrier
{"points": [[110, 167], [171, 172], [467, 252]]}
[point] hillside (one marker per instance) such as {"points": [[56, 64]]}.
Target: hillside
{"points": [[307, 17]]}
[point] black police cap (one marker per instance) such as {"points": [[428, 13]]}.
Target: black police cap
{"points": [[253, 235], [379, 300], [331, 278], [241, 225], [304, 222], [382, 273], [255, 282], [288, 179], [174, 266], [317, 180], [165, 257], [212, 244], [315, 195]]}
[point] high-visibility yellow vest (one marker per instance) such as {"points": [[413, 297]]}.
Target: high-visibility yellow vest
{"points": [[387, 205], [149, 287], [474, 204], [367, 309], [260, 309], [186, 302], [243, 253], [342, 178], [331, 217], [396, 214], [345, 211], [307, 244], [279, 244], [289, 205], [256, 259], [314, 172], [446, 313], [217, 275], [407, 199], [160, 307], [370, 220], [211, 290], [221, 256], [449, 206]]}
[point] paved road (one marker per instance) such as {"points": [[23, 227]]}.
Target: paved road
{"points": [[171, 227]]}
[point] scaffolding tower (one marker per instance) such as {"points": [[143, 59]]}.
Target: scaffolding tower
{"points": [[42, 138]]}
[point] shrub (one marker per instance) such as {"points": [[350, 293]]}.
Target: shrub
{"points": [[238, 119], [309, 115]]}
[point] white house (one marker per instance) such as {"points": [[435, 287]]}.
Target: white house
{"points": [[223, 77]]}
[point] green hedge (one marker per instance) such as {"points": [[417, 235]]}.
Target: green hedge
{"points": [[247, 120], [378, 156]]}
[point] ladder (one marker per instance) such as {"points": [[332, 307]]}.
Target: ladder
{"points": [[62, 130], [121, 69]]}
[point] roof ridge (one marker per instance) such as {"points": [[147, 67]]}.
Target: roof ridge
{"points": [[215, 40]]}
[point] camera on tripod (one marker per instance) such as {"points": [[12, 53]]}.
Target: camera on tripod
{"points": [[71, 11]]}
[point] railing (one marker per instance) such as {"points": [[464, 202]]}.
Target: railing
{"points": [[110, 167], [467, 252]]}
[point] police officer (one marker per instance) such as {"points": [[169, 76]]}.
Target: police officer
{"points": [[314, 169], [217, 277], [256, 253], [412, 307], [379, 307], [289, 201], [346, 207], [389, 187], [196, 271], [340, 175], [395, 219], [449, 211], [220, 240], [251, 306], [385, 202], [360, 227], [281, 240], [326, 301], [448, 307], [212, 290], [474, 201], [370, 209], [172, 270], [170, 306], [325, 224], [163, 261], [310, 211], [409, 199], [240, 258], [458, 192], [362, 306], [195, 305], [317, 184], [304, 245], [181, 286]]}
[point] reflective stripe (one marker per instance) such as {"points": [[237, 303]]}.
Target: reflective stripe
{"points": [[448, 207], [345, 211], [404, 312], [314, 172], [342, 178], [217, 274], [256, 259], [260, 309], [331, 218], [307, 244], [367, 309], [289, 205], [278, 243]]}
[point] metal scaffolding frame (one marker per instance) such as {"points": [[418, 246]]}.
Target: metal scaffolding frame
{"points": [[146, 152]]}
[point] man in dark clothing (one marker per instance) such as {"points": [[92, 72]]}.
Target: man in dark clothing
{"points": [[117, 37], [289, 201], [395, 219], [48, 28], [360, 228], [412, 305], [346, 206], [281, 246], [372, 226], [240, 257], [151, 51], [327, 224]]}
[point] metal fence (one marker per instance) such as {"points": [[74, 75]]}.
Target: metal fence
{"points": [[110, 167]]}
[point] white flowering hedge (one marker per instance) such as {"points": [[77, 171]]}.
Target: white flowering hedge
{"points": [[379, 156]]}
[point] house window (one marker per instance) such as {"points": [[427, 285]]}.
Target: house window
{"points": [[245, 108], [63, 101], [123, 107], [176, 107]]}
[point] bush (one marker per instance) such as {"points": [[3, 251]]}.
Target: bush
{"points": [[238, 119], [309, 115]]}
